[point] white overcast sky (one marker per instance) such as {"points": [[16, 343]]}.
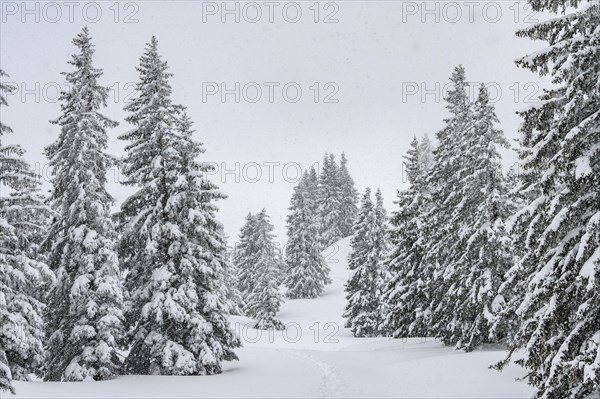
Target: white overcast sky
{"points": [[374, 54]]}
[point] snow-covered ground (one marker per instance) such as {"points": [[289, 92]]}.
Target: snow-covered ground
{"points": [[317, 357]]}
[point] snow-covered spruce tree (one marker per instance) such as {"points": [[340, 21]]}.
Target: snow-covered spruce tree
{"points": [[482, 255], [329, 200], [84, 312], [445, 185], [23, 274], [411, 167], [363, 307], [25, 210], [405, 295], [244, 257], [307, 273], [172, 245], [559, 337], [348, 198], [311, 189], [264, 299], [380, 252]]}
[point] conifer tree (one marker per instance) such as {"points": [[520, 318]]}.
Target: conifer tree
{"points": [[380, 252], [24, 209], [264, 299], [311, 181], [329, 200], [23, 272], [557, 296], [173, 246], [482, 255], [412, 168], [84, 314], [363, 308], [244, 258], [348, 199], [445, 187], [405, 294], [450, 247], [307, 273], [362, 274]]}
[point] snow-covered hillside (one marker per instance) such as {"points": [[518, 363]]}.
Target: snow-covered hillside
{"points": [[317, 357]]}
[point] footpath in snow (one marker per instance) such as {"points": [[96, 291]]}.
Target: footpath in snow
{"points": [[317, 357]]}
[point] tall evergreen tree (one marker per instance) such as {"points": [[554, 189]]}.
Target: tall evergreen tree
{"points": [[380, 252], [173, 246], [348, 198], [406, 293], [23, 274], [363, 308], [244, 258], [451, 249], [412, 168], [329, 200], [311, 192], [264, 299], [84, 314], [559, 310], [445, 185], [478, 261], [311, 188], [307, 273], [24, 209]]}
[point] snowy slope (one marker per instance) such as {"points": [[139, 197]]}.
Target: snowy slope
{"points": [[317, 357]]}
